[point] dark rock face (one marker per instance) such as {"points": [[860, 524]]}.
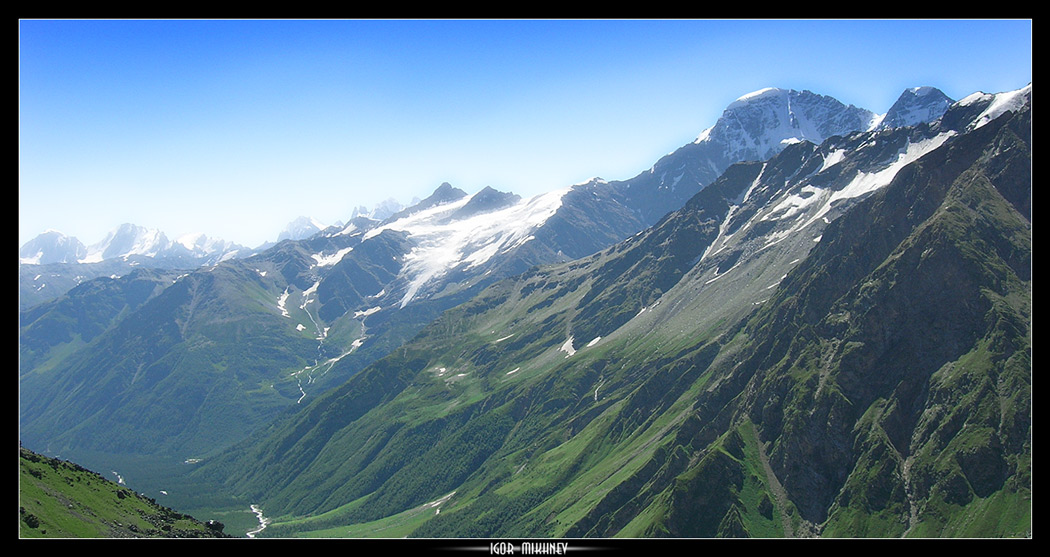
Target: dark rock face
{"points": [[916, 105], [911, 324], [484, 201]]}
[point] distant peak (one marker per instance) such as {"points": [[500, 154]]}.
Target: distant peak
{"points": [[488, 199], [761, 123], [446, 192], [915, 105], [445, 187]]}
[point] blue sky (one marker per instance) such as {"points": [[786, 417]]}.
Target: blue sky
{"points": [[235, 128]]}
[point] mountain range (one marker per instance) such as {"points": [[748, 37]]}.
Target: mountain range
{"points": [[780, 329], [126, 242], [53, 263]]}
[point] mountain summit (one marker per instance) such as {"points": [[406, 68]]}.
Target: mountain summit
{"points": [[760, 124], [51, 247], [755, 127], [914, 106]]}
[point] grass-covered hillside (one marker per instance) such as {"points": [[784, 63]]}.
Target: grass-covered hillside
{"points": [[60, 499]]}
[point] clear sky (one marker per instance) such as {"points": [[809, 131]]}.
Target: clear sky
{"points": [[234, 128]]}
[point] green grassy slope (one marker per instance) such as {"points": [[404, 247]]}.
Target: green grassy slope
{"points": [[59, 499]]}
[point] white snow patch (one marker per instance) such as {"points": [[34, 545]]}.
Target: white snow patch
{"points": [[646, 308], [1001, 103], [832, 159], [595, 341], [350, 228], [567, 347], [504, 338], [753, 95], [876, 121], [723, 236], [281, 303], [704, 135], [33, 260], [515, 370], [778, 237], [307, 300], [329, 260], [865, 183], [436, 504], [367, 312], [794, 203], [443, 243]]}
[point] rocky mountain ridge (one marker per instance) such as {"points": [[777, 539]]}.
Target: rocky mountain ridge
{"points": [[814, 345], [212, 356]]}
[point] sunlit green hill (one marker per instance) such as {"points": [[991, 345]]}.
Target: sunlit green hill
{"points": [[60, 499]]}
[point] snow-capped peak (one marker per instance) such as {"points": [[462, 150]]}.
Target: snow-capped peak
{"points": [[51, 246], [201, 246], [301, 228], [125, 241], [592, 181], [755, 95], [914, 106], [998, 103], [382, 211], [760, 124]]}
